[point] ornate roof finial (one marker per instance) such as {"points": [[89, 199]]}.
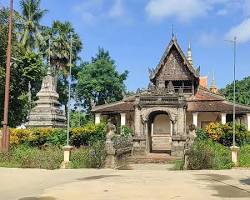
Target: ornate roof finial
{"points": [[189, 54], [213, 87], [173, 35]]}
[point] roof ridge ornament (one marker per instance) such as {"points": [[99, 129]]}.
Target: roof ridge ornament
{"points": [[213, 87], [173, 34], [189, 54]]}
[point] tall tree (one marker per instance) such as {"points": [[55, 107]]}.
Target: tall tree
{"points": [[30, 23], [99, 82], [59, 38], [242, 91], [26, 67]]}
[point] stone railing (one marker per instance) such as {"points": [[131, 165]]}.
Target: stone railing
{"points": [[118, 149]]}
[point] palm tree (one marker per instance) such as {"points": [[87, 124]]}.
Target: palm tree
{"points": [[55, 47], [30, 22], [59, 37]]}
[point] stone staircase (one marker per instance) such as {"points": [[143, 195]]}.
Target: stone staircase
{"points": [[151, 158]]}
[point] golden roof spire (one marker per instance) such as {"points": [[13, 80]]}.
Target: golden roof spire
{"points": [[213, 87]]}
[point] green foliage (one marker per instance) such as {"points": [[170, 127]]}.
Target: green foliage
{"points": [[126, 131], [207, 154], [96, 155], [25, 67], [201, 134], [51, 157], [29, 26], [178, 165], [242, 91], [242, 135], [223, 133], [84, 136], [120, 141], [99, 82], [87, 135], [78, 119], [29, 38], [244, 159], [27, 157]]}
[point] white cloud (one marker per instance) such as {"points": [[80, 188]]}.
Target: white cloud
{"points": [[222, 12], [92, 11], [117, 10], [241, 31], [209, 39], [184, 10]]}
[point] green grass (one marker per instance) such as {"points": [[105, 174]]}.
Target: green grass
{"points": [[245, 156], [51, 157]]}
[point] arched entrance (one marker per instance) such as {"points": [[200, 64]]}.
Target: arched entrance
{"points": [[160, 131]]}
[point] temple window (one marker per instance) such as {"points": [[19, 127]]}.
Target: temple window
{"points": [[186, 86]]}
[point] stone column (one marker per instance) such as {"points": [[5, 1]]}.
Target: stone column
{"points": [[137, 122], [171, 128], [97, 118], [123, 119], [152, 129], [195, 119], [248, 121], [223, 118]]}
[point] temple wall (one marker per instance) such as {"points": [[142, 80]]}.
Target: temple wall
{"points": [[160, 125], [204, 118]]}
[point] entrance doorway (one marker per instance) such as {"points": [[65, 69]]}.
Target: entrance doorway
{"points": [[160, 131]]}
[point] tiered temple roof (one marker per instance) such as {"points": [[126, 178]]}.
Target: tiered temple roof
{"points": [[202, 99]]}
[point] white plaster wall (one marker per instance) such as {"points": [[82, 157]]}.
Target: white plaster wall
{"points": [[162, 124], [203, 118], [206, 118]]}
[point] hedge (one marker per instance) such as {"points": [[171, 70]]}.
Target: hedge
{"points": [[83, 136]]}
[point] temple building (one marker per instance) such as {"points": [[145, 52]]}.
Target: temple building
{"points": [[177, 97]]}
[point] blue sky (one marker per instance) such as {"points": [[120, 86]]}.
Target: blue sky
{"points": [[136, 32]]}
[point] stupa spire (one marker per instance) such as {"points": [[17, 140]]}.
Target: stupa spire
{"points": [[213, 87], [189, 54]]}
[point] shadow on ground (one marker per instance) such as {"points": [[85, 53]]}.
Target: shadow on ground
{"points": [[245, 181], [223, 189], [37, 198], [96, 177]]}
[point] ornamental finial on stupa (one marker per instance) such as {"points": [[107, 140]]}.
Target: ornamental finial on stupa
{"points": [[189, 54]]}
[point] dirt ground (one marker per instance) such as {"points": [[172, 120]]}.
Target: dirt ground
{"points": [[151, 182]]}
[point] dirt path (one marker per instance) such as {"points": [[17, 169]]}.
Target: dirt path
{"points": [[151, 182]]}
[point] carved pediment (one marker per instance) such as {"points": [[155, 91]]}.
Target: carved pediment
{"points": [[173, 65]]}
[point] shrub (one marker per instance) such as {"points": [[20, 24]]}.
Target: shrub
{"points": [[95, 155], [78, 157], [223, 133], [126, 131], [207, 154], [87, 135], [178, 165], [242, 136], [39, 137], [30, 157], [214, 131], [201, 134], [245, 156], [120, 141]]}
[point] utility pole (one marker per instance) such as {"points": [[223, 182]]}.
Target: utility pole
{"points": [[69, 94], [5, 136], [234, 42], [234, 148]]}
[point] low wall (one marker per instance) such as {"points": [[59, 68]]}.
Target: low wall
{"points": [[118, 150], [177, 147]]}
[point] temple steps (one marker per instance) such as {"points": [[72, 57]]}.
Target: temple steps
{"points": [[151, 158]]}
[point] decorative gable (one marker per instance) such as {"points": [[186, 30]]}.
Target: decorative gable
{"points": [[173, 66]]}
